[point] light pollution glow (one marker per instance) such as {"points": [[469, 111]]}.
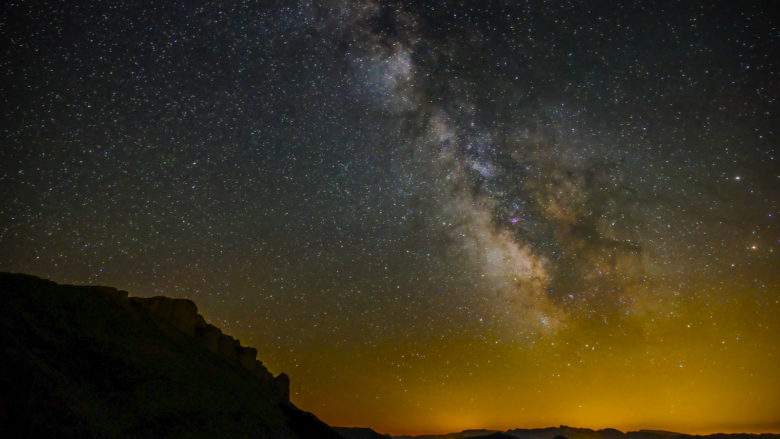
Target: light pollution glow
{"points": [[698, 373]]}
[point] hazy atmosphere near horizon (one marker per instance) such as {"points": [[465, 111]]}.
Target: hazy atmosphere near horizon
{"points": [[431, 215]]}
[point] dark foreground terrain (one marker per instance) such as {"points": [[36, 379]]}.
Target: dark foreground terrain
{"points": [[86, 361]]}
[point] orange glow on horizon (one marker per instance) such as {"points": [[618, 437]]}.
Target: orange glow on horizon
{"points": [[696, 374]]}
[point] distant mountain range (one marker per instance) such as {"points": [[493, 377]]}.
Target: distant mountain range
{"points": [[89, 362], [562, 432]]}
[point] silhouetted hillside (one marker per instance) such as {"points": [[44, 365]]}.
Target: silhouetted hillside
{"points": [[497, 435], [90, 362], [465, 434]]}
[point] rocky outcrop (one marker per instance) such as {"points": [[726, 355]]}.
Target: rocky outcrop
{"points": [[282, 384], [183, 314], [84, 361]]}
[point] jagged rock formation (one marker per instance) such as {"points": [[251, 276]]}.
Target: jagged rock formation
{"points": [[86, 362], [183, 314]]}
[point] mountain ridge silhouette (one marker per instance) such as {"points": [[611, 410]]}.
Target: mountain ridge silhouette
{"points": [[89, 361]]}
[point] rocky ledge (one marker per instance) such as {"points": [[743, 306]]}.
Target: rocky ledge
{"points": [[183, 314]]}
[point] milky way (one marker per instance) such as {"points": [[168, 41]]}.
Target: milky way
{"points": [[432, 216]]}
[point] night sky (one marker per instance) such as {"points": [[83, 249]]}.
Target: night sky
{"points": [[431, 215]]}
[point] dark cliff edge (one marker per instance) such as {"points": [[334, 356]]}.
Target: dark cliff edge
{"points": [[89, 361]]}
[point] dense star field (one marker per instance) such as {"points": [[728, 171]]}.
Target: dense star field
{"points": [[431, 215]]}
